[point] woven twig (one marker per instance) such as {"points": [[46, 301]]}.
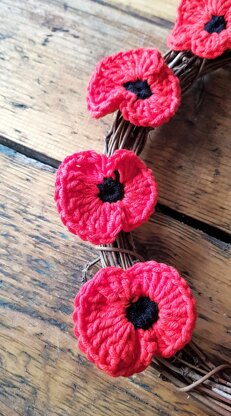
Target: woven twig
{"points": [[190, 370]]}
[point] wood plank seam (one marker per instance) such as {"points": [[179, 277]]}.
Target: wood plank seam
{"points": [[43, 373], [29, 152], [40, 355], [191, 166], [221, 236], [158, 21]]}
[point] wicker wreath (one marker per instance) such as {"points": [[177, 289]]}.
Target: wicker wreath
{"points": [[134, 313]]}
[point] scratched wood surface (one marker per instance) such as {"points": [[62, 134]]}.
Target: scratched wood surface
{"points": [[47, 52], [41, 269], [150, 10], [54, 47]]}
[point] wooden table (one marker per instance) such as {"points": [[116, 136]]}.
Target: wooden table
{"points": [[48, 51]]}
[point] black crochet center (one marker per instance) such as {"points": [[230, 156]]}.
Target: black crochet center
{"points": [[143, 313], [216, 24], [140, 88], [111, 190]]}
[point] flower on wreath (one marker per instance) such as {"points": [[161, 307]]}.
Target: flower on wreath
{"points": [[138, 83], [99, 196], [202, 26], [124, 318]]}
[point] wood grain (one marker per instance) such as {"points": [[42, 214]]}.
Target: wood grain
{"points": [[150, 10], [43, 373], [47, 53], [50, 49]]}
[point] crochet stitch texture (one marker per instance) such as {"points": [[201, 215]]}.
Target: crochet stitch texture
{"points": [[98, 196], [139, 84], [202, 26], [123, 318]]}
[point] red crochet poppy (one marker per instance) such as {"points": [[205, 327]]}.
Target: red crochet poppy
{"points": [[202, 26], [123, 318], [98, 196], [139, 83]]}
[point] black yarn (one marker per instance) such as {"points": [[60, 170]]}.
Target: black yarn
{"points": [[143, 313], [140, 88], [216, 24], [111, 190]]}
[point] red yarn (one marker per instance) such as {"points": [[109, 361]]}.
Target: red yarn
{"points": [[202, 26], [139, 83], [98, 196], [108, 307]]}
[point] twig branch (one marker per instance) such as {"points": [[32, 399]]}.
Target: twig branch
{"points": [[190, 370]]}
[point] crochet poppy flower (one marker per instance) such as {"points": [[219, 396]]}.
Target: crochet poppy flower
{"points": [[139, 84], [123, 318], [202, 26], [98, 196]]}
